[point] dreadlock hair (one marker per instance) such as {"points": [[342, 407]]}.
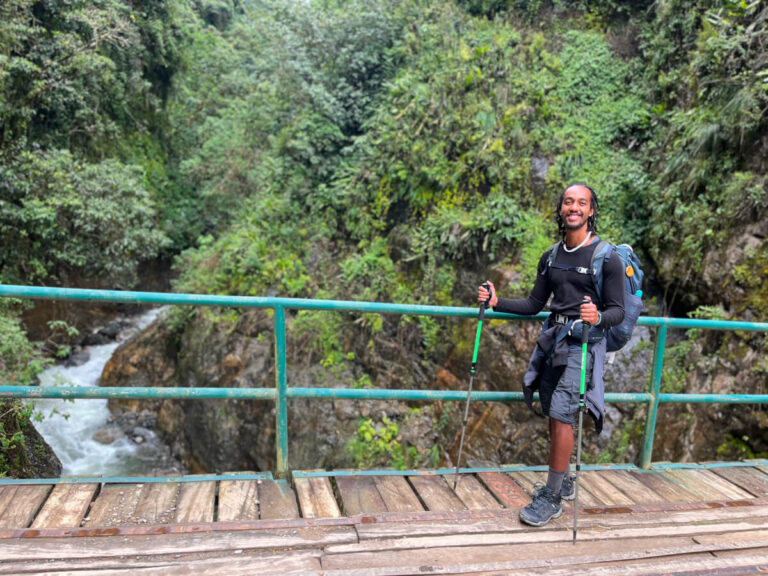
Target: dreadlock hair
{"points": [[591, 221]]}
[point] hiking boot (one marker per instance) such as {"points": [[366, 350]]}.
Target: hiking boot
{"points": [[567, 489], [545, 506]]}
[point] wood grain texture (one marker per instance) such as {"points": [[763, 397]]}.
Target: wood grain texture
{"points": [[20, 504], [664, 486], [238, 500], [276, 500], [359, 495], [157, 503], [473, 493], [509, 492], [435, 493], [66, 506], [114, 506], [749, 479], [632, 487], [196, 502], [707, 485], [603, 490], [316, 499], [397, 493]]}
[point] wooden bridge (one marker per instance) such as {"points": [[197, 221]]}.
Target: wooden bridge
{"points": [[703, 519]]}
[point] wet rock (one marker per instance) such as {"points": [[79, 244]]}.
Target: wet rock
{"points": [[108, 435], [112, 329], [141, 432], [78, 358], [95, 339]]}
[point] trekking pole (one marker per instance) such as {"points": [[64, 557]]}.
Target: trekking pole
{"points": [[481, 315], [582, 406]]}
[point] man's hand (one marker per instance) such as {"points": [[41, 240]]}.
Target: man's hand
{"points": [[482, 295], [589, 312]]}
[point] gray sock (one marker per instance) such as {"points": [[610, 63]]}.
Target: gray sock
{"points": [[555, 480], [568, 471]]}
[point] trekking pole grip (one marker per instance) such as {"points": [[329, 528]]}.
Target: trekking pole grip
{"points": [[584, 324], [487, 304]]}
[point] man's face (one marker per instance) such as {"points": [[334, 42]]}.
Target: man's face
{"points": [[576, 208]]}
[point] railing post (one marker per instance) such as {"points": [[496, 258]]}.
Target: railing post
{"points": [[653, 405], [281, 383]]}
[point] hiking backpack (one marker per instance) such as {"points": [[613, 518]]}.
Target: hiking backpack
{"points": [[615, 336]]}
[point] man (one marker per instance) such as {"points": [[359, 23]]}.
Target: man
{"points": [[555, 366]]}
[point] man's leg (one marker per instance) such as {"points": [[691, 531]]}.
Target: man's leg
{"points": [[560, 449]]}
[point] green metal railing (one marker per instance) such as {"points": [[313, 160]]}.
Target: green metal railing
{"points": [[282, 392]]}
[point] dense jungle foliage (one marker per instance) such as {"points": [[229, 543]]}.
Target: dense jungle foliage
{"points": [[394, 151]]}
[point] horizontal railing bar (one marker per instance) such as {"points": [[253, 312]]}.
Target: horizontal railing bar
{"points": [[43, 293], [715, 398], [704, 465], [40, 293], [450, 471], [144, 393], [137, 393], [523, 468], [140, 479], [703, 323]]}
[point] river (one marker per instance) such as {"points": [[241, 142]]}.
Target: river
{"points": [[82, 433]]}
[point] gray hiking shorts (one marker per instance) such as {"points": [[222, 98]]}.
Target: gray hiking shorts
{"points": [[560, 398]]}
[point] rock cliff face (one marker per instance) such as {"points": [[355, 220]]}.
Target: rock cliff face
{"points": [[30, 458]]}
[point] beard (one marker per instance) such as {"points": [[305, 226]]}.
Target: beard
{"points": [[576, 224]]}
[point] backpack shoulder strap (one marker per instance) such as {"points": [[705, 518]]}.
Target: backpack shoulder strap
{"points": [[602, 253], [551, 258]]}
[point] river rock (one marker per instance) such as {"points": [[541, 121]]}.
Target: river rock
{"points": [[78, 358], [32, 458], [108, 435]]}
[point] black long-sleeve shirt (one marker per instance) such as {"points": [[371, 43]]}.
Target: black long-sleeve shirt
{"points": [[568, 288]]}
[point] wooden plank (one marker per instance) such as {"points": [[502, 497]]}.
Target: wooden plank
{"points": [[664, 486], [504, 487], [541, 536], [529, 479], [472, 493], [316, 498], [513, 551], [492, 561], [114, 506], [196, 502], [43, 549], [603, 490], [66, 506], [707, 485], [7, 494], [636, 490], [379, 530], [227, 564], [436, 494], [749, 479], [722, 515], [758, 536], [276, 500], [157, 503], [731, 490], [238, 500], [397, 493], [20, 505], [359, 495]]}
